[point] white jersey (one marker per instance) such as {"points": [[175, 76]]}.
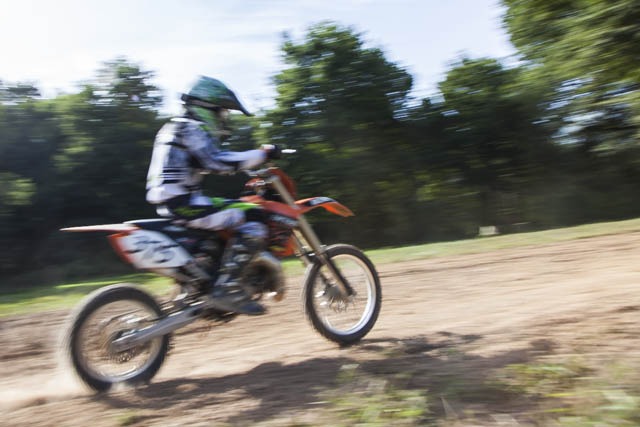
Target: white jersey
{"points": [[183, 150]]}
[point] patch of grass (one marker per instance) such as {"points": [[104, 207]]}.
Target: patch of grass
{"points": [[486, 244], [570, 393], [559, 390], [603, 407], [544, 379], [368, 400], [65, 296], [129, 418], [463, 388]]}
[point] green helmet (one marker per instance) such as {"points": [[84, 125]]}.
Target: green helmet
{"points": [[209, 101], [211, 94]]}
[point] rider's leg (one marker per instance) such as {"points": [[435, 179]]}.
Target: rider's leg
{"points": [[249, 238], [228, 293]]}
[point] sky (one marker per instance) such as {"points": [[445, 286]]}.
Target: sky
{"points": [[59, 44]]}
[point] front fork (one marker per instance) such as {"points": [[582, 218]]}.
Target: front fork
{"points": [[305, 233]]}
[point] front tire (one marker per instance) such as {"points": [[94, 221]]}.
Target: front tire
{"points": [[105, 315], [343, 320]]}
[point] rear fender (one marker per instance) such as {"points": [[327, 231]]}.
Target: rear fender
{"points": [[144, 249], [327, 203], [114, 228]]}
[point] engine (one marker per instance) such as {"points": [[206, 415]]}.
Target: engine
{"points": [[264, 275]]}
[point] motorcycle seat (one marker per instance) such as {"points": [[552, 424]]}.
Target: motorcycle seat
{"points": [[173, 227], [155, 224]]}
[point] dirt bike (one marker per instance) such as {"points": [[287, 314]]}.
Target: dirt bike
{"points": [[121, 334]]}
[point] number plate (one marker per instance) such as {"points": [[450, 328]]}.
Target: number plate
{"points": [[149, 249]]}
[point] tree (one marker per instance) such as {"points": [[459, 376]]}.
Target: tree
{"points": [[340, 103], [589, 48], [28, 142], [110, 126], [18, 92], [496, 142], [73, 159]]}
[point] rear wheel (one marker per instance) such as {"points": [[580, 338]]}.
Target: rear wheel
{"points": [[104, 316], [344, 320]]}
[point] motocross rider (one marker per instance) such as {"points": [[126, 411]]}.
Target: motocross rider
{"points": [[184, 149]]}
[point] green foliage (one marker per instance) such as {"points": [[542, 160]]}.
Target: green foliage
{"points": [[498, 148], [76, 158], [584, 50], [14, 192], [587, 48], [17, 93], [340, 104], [547, 143], [600, 35]]}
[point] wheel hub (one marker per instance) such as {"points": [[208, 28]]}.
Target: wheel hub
{"points": [[116, 328], [335, 299]]}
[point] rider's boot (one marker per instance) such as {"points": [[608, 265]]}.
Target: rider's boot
{"points": [[228, 294]]}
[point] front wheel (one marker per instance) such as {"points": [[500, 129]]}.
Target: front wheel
{"points": [[104, 316], [343, 319]]}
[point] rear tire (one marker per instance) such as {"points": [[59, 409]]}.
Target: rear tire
{"points": [[116, 309], [343, 321]]}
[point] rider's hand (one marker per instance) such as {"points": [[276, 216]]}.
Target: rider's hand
{"points": [[273, 151]]}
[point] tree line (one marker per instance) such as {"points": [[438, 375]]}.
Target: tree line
{"points": [[550, 141]]}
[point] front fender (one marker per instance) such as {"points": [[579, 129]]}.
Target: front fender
{"points": [[336, 208]]}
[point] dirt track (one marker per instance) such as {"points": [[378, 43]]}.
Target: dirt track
{"points": [[461, 316]]}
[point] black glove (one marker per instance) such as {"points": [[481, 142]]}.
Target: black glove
{"points": [[273, 151]]}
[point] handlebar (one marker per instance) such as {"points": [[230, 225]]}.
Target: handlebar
{"points": [[275, 151], [264, 172], [259, 173]]}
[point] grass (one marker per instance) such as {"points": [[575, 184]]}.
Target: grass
{"points": [[366, 399], [486, 244], [128, 418], [567, 388], [64, 296], [578, 393]]}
